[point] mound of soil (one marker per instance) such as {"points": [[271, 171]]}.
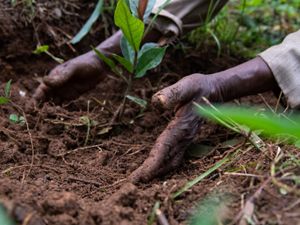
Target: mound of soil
{"points": [[67, 164]]}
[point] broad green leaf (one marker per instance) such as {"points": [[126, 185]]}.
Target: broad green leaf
{"points": [[149, 60], [134, 8], [146, 47], [14, 118], [132, 27], [127, 50], [7, 89], [105, 59], [3, 100], [4, 218], [88, 25], [141, 102], [271, 125], [124, 62], [41, 49]]}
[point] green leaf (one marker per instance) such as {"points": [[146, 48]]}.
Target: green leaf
{"points": [[7, 89], [127, 50], [141, 102], [124, 62], [132, 27], [14, 118], [149, 60], [147, 47], [3, 100], [4, 218], [41, 49], [88, 25], [271, 125], [105, 59]]}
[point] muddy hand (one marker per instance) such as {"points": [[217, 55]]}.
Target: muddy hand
{"points": [[168, 150], [248, 78], [72, 78]]}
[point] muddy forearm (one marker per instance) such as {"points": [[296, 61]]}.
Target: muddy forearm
{"points": [[249, 78]]}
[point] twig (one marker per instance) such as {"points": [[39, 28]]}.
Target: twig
{"points": [[244, 174], [250, 204], [161, 217], [79, 149], [30, 137]]}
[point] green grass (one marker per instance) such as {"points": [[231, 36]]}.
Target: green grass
{"points": [[247, 27]]}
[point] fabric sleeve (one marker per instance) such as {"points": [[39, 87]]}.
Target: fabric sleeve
{"points": [[284, 61], [181, 16]]}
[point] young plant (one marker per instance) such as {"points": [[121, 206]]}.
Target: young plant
{"points": [[45, 49], [6, 98], [130, 17]]}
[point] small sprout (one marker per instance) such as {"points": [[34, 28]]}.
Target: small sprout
{"points": [[7, 89], [141, 102], [14, 118], [45, 49], [41, 49]]}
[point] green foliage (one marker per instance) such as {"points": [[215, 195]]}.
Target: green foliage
{"points": [[201, 177], [149, 59], [247, 27], [270, 124], [135, 60], [209, 212], [4, 218], [151, 218], [41, 49], [14, 118], [141, 102], [45, 49], [89, 23], [132, 27], [6, 98]]}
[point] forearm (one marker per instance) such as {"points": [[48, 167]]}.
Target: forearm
{"points": [[249, 78]]}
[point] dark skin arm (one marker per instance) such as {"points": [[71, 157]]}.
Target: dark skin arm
{"points": [[167, 153], [78, 75]]}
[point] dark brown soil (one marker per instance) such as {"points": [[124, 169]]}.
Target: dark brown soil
{"points": [[58, 170]]}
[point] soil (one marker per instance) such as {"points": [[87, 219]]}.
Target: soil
{"points": [[58, 169]]}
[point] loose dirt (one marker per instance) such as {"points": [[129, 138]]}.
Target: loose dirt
{"points": [[67, 165]]}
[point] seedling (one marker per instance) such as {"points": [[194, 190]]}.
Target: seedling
{"points": [[6, 98], [130, 17], [45, 49]]}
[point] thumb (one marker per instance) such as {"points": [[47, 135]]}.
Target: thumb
{"points": [[177, 94], [59, 75]]}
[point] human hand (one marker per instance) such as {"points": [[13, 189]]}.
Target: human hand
{"points": [[70, 79], [168, 150]]}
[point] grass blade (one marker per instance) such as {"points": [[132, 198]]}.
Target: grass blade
{"points": [[88, 25], [201, 177]]}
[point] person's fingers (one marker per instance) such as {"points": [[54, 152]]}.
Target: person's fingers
{"points": [[40, 93], [168, 150], [60, 75], [178, 93]]}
